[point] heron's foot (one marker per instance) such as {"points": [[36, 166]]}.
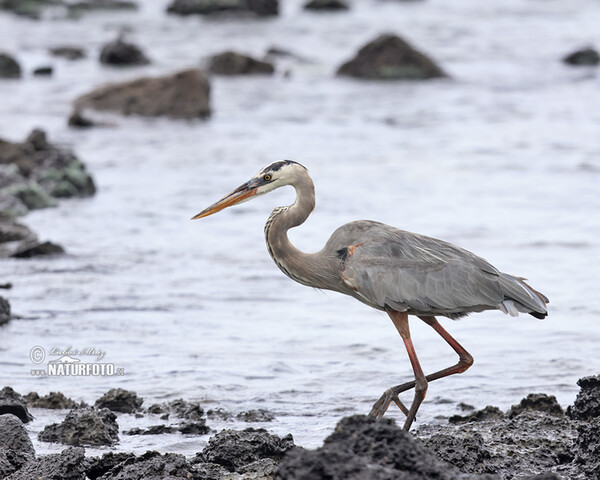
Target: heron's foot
{"points": [[384, 402]]}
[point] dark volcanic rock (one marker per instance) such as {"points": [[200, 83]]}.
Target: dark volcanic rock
{"points": [[66, 465], [181, 95], [587, 448], [152, 466], [463, 451], [207, 7], [362, 447], [587, 56], [98, 466], [194, 428], [180, 408], [119, 52], [151, 430], [13, 402], [68, 52], [29, 8], [91, 5], [43, 71], [259, 415], [587, 403], [232, 63], [84, 426], [9, 67], [537, 401], [120, 400], [388, 57], [13, 235], [16, 448], [233, 449], [54, 400], [4, 309], [329, 5], [486, 413], [37, 249], [77, 120]]}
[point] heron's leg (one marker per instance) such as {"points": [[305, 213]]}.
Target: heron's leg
{"points": [[465, 360], [400, 320]]}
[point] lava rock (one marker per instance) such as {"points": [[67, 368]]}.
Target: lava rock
{"points": [[259, 415], [120, 400], [537, 401], [182, 95], [328, 5], [586, 56], [13, 402], [91, 5], [98, 466], [152, 466], [232, 63], [9, 67], [119, 52], [587, 403], [66, 465], [43, 71], [194, 428], [54, 401], [16, 448], [68, 52], [587, 448], [38, 249], [219, 414], [29, 8], [486, 413], [388, 57], [180, 408], [151, 430], [208, 7], [462, 451], [362, 447], [77, 120], [84, 426], [233, 449], [13, 234], [4, 308]]}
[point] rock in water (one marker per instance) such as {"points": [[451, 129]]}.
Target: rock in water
{"points": [[84, 426], [537, 401], [54, 401], [119, 52], [68, 52], [152, 466], [66, 465], [37, 249], [587, 56], [9, 67], [16, 448], [232, 63], [326, 5], [4, 308], [208, 7], [388, 57], [13, 402], [182, 95], [120, 400]]}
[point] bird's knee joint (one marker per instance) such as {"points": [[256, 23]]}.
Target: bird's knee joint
{"points": [[421, 386], [465, 361]]}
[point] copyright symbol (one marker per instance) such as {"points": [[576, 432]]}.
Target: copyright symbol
{"points": [[37, 354]]}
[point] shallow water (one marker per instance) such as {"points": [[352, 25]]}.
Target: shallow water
{"points": [[502, 160]]}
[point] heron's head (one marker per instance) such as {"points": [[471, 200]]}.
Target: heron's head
{"points": [[278, 174]]}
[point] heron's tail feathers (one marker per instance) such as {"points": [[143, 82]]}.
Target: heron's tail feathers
{"points": [[520, 297]]}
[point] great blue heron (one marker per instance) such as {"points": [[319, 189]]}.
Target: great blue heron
{"points": [[393, 270]]}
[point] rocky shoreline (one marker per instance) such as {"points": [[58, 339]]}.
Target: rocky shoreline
{"points": [[535, 439]]}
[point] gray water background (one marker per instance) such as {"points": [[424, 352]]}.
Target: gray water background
{"points": [[502, 160]]}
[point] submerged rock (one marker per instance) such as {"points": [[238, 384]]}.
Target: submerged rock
{"points": [[38, 249], [77, 120], [328, 5], [68, 52], [9, 67], [67, 465], [43, 71], [4, 308], [260, 415], [388, 57], [586, 56], [16, 448], [232, 63], [13, 402], [121, 53], [151, 430], [54, 401], [181, 95], [83, 426], [120, 400], [208, 7]]}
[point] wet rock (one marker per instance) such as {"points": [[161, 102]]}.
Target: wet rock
{"points": [[98, 466], [486, 413], [43, 71], [588, 448], [4, 308], [259, 415], [232, 63], [219, 414], [388, 57], [180, 408], [13, 402], [68, 52], [208, 7], [152, 466], [16, 448], [38, 249], [12, 234], [33, 196], [586, 56], [181, 95], [537, 401], [151, 430], [119, 52], [83, 426], [328, 5], [213, 471], [91, 5], [194, 428], [9, 67], [120, 400], [463, 451], [77, 120], [233, 449], [27, 8], [362, 447], [68, 465], [54, 401], [587, 403]]}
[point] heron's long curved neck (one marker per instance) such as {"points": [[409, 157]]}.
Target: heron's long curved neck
{"points": [[299, 266]]}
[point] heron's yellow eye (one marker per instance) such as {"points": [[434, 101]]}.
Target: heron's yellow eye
{"points": [[267, 177]]}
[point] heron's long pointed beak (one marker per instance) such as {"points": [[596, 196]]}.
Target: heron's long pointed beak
{"points": [[242, 193]]}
